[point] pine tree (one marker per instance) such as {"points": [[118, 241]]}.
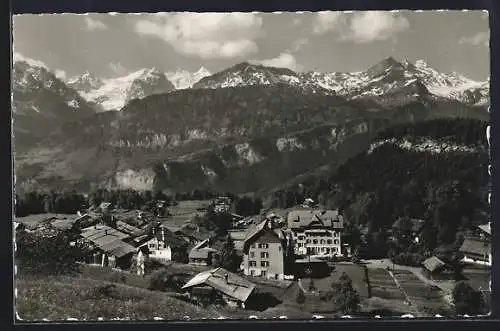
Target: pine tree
{"points": [[345, 296], [229, 260]]}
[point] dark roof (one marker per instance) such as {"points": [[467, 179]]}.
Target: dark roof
{"points": [[300, 218], [195, 232], [433, 264], [476, 246], [128, 229], [108, 239], [235, 287]]}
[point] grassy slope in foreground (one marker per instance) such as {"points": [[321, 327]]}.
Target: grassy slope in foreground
{"points": [[61, 297]]}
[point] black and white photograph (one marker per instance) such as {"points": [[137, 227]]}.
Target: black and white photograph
{"points": [[187, 166]]}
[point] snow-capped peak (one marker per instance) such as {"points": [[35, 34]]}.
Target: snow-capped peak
{"points": [[183, 79], [113, 93], [421, 64]]}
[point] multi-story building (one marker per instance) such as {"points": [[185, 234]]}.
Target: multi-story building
{"points": [[264, 251], [316, 232]]}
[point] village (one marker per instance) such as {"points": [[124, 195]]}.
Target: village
{"points": [[279, 263]]}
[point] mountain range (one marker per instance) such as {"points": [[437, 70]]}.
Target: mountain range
{"points": [[246, 128]]}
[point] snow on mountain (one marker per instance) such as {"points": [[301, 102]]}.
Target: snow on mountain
{"points": [[248, 74], [114, 93], [86, 82], [183, 79], [37, 89], [384, 78]]}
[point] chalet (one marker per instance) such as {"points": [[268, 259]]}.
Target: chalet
{"points": [[222, 205], [476, 251], [264, 251], [108, 247], [202, 253], [129, 229], [485, 231], [191, 233], [104, 207], [162, 245], [316, 232], [220, 284], [434, 266]]}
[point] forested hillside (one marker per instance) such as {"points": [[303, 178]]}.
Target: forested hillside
{"points": [[435, 171]]}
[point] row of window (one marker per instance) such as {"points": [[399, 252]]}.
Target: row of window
{"points": [[262, 263], [263, 255], [320, 242], [255, 245], [327, 250], [333, 234]]}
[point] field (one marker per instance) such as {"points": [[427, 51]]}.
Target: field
{"points": [[420, 294], [314, 302], [60, 297], [382, 286], [478, 278]]}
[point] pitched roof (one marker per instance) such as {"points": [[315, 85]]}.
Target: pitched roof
{"points": [[475, 246], [201, 250], [304, 217], [128, 229], [235, 287], [108, 239], [486, 228], [433, 264]]}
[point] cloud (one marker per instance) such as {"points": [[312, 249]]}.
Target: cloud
{"points": [[284, 60], [205, 35], [362, 27], [375, 25], [118, 69], [297, 44], [94, 25], [326, 21], [18, 57], [480, 38]]}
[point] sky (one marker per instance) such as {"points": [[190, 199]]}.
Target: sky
{"points": [[112, 45]]}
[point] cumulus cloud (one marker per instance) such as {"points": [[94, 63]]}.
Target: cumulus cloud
{"points": [[284, 60], [18, 57], [118, 69], [363, 27], [376, 25], [480, 38], [205, 35], [326, 21], [94, 25]]}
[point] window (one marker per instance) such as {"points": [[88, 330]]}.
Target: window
{"points": [[260, 245], [252, 272], [264, 263], [263, 273], [279, 248], [265, 245], [152, 246], [299, 245], [252, 263], [252, 254], [335, 234], [327, 250], [336, 241], [322, 249], [264, 255], [302, 237], [315, 241], [322, 241], [308, 241], [329, 241]]}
